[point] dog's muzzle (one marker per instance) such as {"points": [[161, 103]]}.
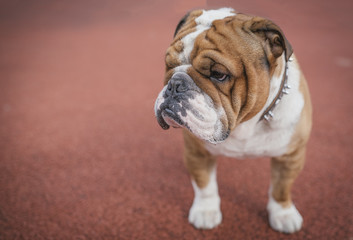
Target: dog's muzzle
{"points": [[173, 102], [182, 103]]}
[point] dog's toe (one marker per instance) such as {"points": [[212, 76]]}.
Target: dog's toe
{"points": [[286, 220], [205, 214], [205, 219]]}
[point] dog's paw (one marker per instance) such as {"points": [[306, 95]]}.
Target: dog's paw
{"points": [[205, 213], [286, 220]]}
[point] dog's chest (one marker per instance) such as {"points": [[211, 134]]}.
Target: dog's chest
{"points": [[247, 143]]}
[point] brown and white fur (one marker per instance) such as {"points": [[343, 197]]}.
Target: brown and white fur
{"points": [[223, 70]]}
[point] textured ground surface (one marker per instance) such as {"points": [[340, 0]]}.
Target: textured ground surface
{"points": [[82, 156]]}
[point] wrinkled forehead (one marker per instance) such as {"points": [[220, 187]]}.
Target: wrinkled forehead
{"points": [[196, 23]]}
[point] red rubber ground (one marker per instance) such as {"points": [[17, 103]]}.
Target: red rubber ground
{"points": [[82, 156]]}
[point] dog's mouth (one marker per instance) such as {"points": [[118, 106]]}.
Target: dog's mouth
{"points": [[167, 118], [213, 133]]}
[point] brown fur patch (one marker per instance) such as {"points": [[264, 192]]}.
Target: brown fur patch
{"points": [[241, 95], [172, 55], [198, 160]]}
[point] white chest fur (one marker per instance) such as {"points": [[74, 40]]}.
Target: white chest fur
{"points": [[255, 138]]}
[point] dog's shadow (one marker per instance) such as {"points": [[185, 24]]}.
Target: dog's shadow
{"points": [[244, 198]]}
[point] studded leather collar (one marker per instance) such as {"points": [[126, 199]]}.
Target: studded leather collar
{"points": [[268, 113]]}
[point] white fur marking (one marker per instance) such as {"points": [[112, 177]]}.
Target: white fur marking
{"points": [[205, 211], [287, 220], [203, 128], [182, 68], [204, 22]]}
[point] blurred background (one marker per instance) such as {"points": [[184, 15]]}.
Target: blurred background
{"points": [[82, 156]]}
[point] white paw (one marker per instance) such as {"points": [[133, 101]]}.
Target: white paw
{"points": [[206, 213], [286, 220]]}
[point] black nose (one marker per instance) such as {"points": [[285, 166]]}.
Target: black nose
{"points": [[176, 87]]}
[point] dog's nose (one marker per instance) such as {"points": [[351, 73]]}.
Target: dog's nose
{"points": [[175, 87]]}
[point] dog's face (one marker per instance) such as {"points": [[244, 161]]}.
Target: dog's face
{"points": [[218, 71]]}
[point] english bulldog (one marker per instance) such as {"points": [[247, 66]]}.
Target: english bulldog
{"points": [[234, 85]]}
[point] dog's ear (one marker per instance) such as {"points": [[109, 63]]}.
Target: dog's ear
{"points": [[181, 23], [273, 34]]}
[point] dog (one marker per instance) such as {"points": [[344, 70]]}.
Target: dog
{"points": [[234, 86]]}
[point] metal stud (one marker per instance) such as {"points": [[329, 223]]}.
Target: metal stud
{"points": [[284, 90], [287, 86]]}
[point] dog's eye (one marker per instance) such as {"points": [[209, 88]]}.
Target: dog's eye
{"points": [[218, 76]]}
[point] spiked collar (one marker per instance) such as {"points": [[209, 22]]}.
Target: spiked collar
{"points": [[268, 113]]}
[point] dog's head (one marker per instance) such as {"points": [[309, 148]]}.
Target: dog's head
{"points": [[218, 71]]}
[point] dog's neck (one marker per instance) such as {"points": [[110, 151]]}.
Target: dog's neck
{"points": [[284, 87]]}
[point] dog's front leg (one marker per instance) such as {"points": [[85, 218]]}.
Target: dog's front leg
{"points": [[283, 215], [205, 212]]}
